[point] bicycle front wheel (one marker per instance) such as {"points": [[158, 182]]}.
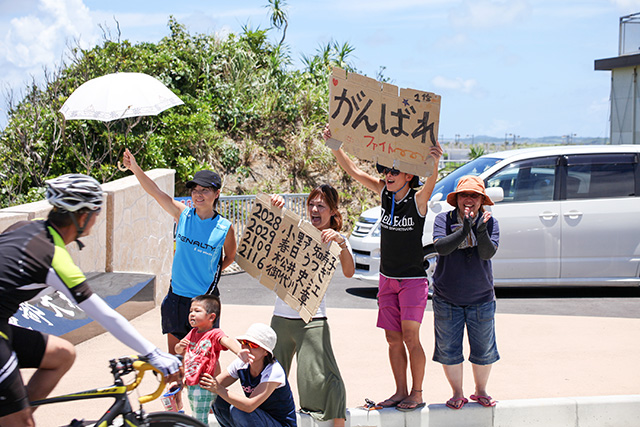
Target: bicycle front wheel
{"points": [[171, 419]]}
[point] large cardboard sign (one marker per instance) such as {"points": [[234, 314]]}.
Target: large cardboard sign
{"points": [[286, 255], [372, 121]]}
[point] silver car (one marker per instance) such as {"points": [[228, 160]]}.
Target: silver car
{"points": [[568, 215]]}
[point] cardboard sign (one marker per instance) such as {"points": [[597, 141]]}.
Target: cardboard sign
{"points": [[286, 255], [374, 122]]}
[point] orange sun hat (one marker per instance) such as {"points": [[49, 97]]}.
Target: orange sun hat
{"points": [[469, 183]]}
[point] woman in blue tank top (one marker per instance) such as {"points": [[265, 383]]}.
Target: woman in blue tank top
{"points": [[205, 245]]}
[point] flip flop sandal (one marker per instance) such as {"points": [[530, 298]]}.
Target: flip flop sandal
{"points": [[486, 401], [392, 403], [413, 407], [457, 403]]}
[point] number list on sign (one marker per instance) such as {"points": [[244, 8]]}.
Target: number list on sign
{"points": [[286, 255]]}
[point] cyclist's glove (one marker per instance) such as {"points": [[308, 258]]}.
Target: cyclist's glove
{"points": [[167, 363]]}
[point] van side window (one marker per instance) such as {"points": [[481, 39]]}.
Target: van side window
{"points": [[600, 176], [526, 181]]}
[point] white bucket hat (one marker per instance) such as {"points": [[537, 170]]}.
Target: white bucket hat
{"points": [[261, 334]]}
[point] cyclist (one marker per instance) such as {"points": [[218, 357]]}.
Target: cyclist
{"points": [[33, 257]]}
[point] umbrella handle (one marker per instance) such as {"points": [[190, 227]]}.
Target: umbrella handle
{"points": [[122, 167]]}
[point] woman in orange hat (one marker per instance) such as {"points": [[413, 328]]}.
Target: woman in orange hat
{"points": [[466, 239]]}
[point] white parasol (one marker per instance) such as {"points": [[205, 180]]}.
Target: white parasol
{"points": [[118, 96]]}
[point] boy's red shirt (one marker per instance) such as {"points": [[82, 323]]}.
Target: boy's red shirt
{"points": [[202, 354]]}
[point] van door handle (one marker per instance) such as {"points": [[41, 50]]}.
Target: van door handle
{"points": [[573, 214], [548, 215]]}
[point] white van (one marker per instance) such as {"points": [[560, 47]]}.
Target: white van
{"points": [[568, 216]]}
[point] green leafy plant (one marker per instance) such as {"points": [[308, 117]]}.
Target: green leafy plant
{"points": [[244, 105]]}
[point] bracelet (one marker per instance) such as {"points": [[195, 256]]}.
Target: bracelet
{"points": [[343, 245]]}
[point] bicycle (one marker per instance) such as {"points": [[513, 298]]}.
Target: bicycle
{"points": [[122, 407]]}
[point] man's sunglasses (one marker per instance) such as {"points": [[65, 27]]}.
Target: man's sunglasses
{"points": [[249, 344]]}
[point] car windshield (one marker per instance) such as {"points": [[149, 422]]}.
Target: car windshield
{"points": [[448, 184]]}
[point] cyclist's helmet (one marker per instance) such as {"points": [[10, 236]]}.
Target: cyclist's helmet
{"points": [[74, 191]]}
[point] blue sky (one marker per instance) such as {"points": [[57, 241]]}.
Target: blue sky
{"points": [[520, 67]]}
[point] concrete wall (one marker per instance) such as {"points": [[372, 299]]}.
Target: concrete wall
{"points": [[596, 411], [132, 233], [140, 232]]}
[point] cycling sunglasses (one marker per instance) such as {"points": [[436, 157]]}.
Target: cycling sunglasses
{"points": [[249, 344]]}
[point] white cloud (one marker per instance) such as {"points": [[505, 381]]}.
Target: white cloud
{"points": [[34, 35], [489, 13], [39, 38], [628, 5], [457, 84]]}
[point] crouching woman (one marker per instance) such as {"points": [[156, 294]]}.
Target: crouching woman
{"points": [[267, 399]]}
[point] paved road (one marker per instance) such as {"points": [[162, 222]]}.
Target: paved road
{"points": [[590, 351], [241, 288]]}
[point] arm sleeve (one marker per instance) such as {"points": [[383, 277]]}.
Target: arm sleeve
{"points": [[112, 321], [447, 244], [486, 247]]}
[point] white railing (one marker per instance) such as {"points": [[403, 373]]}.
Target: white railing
{"points": [[237, 208]]}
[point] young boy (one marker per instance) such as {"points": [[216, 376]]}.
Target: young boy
{"points": [[201, 348], [403, 285]]}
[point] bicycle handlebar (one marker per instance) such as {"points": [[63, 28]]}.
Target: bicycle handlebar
{"points": [[139, 364], [141, 367]]}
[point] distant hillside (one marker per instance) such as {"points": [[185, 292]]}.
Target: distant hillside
{"points": [[520, 141]]}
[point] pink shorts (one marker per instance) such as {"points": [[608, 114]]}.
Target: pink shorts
{"points": [[401, 299]]}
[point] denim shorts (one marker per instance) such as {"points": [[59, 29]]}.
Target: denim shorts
{"points": [[449, 323]]}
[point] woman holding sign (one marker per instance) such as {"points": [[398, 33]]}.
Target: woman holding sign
{"points": [[403, 284], [205, 245], [320, 386]]}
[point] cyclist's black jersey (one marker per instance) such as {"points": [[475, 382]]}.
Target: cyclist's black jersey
{"points": [[32, 257]]}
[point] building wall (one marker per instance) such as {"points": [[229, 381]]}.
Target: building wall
{"points": [[132, 233], [625, 106]]}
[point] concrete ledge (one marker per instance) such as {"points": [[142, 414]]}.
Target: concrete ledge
{"points": [[598, 411]]}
